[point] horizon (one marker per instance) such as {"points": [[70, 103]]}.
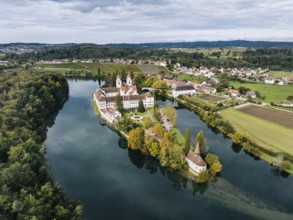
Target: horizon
{"points": [[155, 42], [147, 21]]}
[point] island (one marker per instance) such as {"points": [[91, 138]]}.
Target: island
{"points": [[151, 129]]}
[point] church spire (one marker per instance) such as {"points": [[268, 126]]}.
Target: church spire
{"points": [[197, 149]]}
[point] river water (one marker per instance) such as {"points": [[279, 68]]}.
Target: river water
{"points": [[94, 165]]}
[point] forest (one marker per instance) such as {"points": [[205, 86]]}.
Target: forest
{"points": [[272, 58], [28, 104]]}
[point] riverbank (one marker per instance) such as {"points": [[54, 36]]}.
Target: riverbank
{"points": [[215, 120]]}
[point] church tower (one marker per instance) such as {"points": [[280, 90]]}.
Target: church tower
{"points": [[118, 81], [129, 80]]}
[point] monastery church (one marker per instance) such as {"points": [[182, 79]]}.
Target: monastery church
{"points": [[105, 97]]}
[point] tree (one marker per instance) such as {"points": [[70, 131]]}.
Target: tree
{"points": [[216, 167], [187, 141], [136, 138], [203, 176], [171, 114], [211, 158], [119, 103], [201, 140], [99, 71], [237, 138], [140, 106], [113, 79], [147, 123]]}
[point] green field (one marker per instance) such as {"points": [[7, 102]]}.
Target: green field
{"points": [[2, 55], [149, 68], [272, 93], [61, 65], [104, 67], [280, 74], [264, 133]]}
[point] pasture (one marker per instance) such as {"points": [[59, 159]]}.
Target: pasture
{"points": [[266, 134], [272, 93]]}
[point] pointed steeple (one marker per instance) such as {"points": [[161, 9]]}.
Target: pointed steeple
{"points": [[197, 149], [118, 81], [129, 80]]}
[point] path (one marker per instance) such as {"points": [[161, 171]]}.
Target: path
{"points": [[150, 116], [167, 124]]}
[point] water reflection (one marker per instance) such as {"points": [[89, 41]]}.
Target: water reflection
{"points": [[236, 147]]}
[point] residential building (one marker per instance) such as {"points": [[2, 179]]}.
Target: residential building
{"points": [[183, 89]]}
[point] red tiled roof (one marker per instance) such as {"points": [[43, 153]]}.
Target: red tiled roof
{"points": [[196, 159]]}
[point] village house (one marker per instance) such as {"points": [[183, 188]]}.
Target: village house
{"points": [[195, 162], [234, 93], [269, 80], [251, 94], [183, 89]]}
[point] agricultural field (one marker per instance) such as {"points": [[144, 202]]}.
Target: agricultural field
{"points": [[272, 93], [212, 98], [149, 68], [273, 115], [267, 134], [104, 67], [69, 66], [2, 55]]}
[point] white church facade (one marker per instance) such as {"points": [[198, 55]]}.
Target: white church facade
{"points": [[105, 97]]}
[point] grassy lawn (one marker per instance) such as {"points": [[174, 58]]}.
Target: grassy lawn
{"points": [[279, 74], [178, 137], [264, 133], [272, 93], [188, 77]]}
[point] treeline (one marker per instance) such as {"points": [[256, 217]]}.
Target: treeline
{"points": [[27, 101], [272, 58]]}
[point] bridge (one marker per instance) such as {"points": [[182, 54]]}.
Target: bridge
{"points": [[147, 89]]}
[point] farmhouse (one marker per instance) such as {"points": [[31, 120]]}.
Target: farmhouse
{"points": [[270, 80], [105, 97], [251, 94], [195, 162], [183, 89], [234, 92]]}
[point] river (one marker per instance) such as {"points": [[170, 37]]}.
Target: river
{"points": [[94, 165]]}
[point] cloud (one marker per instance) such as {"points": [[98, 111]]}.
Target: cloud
{"points": [[144, 21]]}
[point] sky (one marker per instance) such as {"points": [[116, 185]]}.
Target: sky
{"points": [[139, 21]]}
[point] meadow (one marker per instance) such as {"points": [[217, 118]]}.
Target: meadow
{"points": [[266, 134], [280, 74], [106, 67], [272, 93]]}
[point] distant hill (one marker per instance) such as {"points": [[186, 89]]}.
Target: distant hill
{"points": [[197, 44], [211, 44]]}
